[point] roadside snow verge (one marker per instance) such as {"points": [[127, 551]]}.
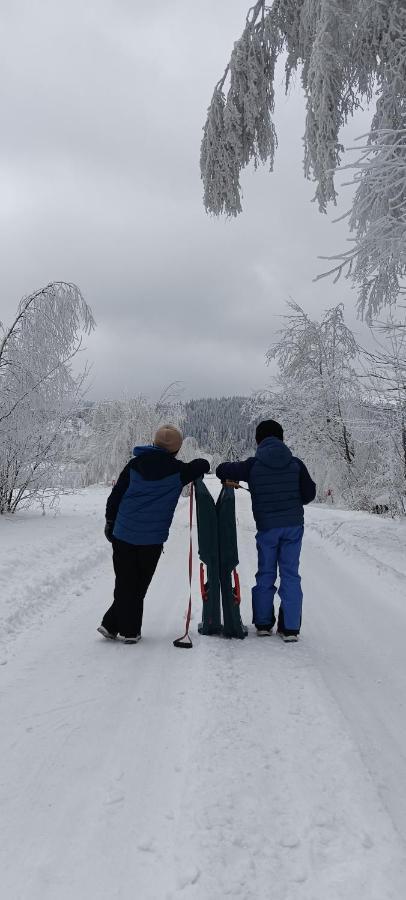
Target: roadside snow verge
{"points": [[375, 539], [46, 561]]}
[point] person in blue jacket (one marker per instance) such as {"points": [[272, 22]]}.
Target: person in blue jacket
{"points": [[139, 514], [279, 484]]}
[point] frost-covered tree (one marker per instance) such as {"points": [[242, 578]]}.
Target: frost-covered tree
{"points": [[220, 424], [316, 396], [345, 52], [38, 389], [189, 450], [384, 385], [221, 446], [316, 363], [117, 426], [343, 408]]}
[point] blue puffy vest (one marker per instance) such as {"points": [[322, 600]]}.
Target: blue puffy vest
{"points": [[274, 486], [147, 508]]}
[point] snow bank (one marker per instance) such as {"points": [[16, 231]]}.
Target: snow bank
{"points": [[45, 561], [376, 539]]}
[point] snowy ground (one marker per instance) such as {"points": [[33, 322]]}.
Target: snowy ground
{"points": [[251, 770]]}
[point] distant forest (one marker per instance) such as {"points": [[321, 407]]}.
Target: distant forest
{"points": [[218, 422]]}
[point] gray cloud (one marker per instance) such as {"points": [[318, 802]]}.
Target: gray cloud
{"points": [[102, 109]]}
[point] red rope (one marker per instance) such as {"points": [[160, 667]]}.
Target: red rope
{"points": [[203, 590], [180, 642], [237, 589]]}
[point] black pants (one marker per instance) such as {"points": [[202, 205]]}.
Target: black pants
{"points": [[134, 566]]}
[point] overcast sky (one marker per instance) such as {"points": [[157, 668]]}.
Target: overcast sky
{"points": [[102, 108]]}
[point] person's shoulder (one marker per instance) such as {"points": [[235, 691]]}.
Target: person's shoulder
{"points": [[154, 465]]}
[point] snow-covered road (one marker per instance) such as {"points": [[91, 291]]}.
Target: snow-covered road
{"points": [[249, 769]]}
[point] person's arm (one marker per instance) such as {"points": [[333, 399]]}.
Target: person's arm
{"points": [[306, 484], [114, 500], [194, 469], [235, 471]]}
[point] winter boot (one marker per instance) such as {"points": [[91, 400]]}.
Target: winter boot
{"points": [[129, 640], [102, 630], [264, 630], [288, 637]]}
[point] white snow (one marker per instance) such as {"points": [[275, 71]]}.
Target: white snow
{"points": [[245, 769]]}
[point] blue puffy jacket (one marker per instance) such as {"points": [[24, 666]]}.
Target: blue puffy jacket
{"points": [[278, 481], [143, 501]]}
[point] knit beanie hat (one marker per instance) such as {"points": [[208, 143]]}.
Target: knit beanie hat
{"points": [[168, 438], [267, 429]]}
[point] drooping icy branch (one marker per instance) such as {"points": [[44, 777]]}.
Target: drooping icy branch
{"points": [[344, 50], [239, 127]]}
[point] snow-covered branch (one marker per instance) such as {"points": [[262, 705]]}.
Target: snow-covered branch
{"points": [[344, 51]]}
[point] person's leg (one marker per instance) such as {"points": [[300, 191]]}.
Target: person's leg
{"points": [[144, 560], [264, 591], [123, 566], [290, 590]]}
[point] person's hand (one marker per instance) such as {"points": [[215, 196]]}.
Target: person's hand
{"points": [[108, 530], [235, 485]]}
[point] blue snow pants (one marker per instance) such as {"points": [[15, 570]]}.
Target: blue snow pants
{"points": [[278, 548]]}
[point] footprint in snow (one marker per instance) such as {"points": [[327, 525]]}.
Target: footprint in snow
{"points": [[114, 800], [290, 841], [189, 876], [299, 877], [147, 845]]}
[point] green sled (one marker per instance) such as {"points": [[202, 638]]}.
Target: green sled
{"points": [[228, 562], [207, 536], [218, 551]]}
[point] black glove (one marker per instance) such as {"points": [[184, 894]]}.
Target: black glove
{"points": [[108, 530]]}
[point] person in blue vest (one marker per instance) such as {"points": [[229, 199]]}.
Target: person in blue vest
{"points": [[139, 514], [280, 485]]}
